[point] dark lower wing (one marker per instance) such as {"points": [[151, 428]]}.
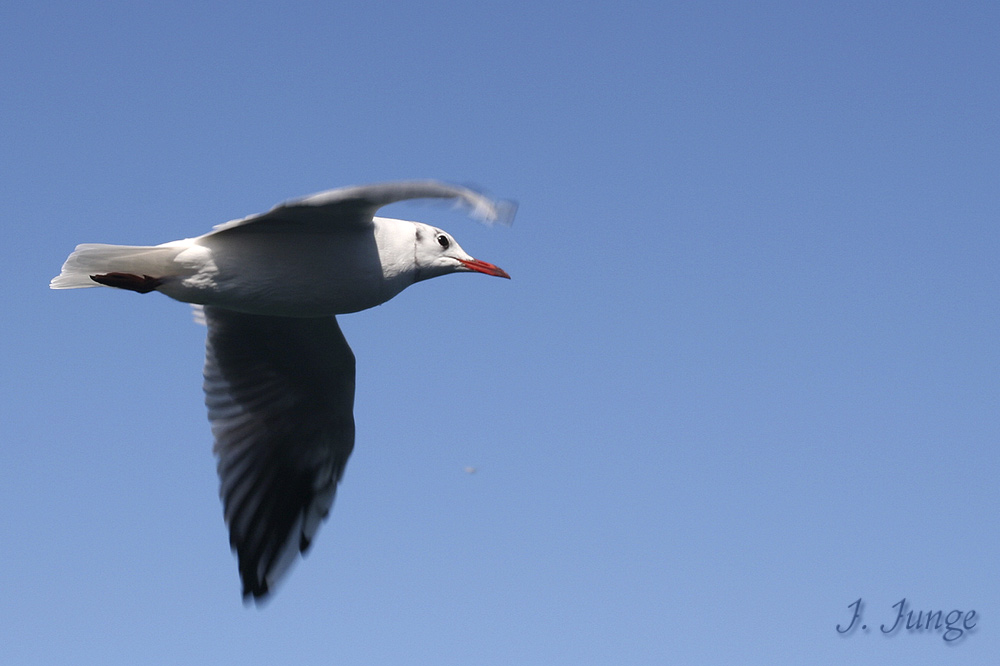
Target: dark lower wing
{"points": [[280, 397]]}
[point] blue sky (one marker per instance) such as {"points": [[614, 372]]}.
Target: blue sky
{"points": [[745, 372]]}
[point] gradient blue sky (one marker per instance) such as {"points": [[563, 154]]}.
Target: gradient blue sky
{"points": [[746, 371]]}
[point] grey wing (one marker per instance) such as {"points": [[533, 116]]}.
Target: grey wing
{"points": [[358, 205], [280, 398]]}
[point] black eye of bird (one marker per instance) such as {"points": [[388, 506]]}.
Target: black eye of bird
{"points": [[443, 241]]}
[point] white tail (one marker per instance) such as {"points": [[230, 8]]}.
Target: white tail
{"points": [[95, 258]]}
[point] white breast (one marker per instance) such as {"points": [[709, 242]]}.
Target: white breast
{"points": [[301, 274]]}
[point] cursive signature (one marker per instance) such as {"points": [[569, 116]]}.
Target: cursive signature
{"points": [[951, 626]]}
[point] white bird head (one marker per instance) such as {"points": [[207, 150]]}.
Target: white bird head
{"points": [[436, 253]]}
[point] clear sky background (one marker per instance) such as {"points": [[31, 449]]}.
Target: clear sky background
{"points": [[746, 371]]}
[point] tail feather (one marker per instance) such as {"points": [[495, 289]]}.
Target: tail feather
{"points": [[96, 258]]}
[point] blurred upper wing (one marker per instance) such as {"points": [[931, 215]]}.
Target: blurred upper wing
{"points": [[357, 205], [280, 397]]}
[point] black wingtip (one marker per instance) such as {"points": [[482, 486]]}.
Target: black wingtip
{"points": [[254, 593]]}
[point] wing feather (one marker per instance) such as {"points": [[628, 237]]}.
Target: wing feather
{"points": [[356, 206], [280, 398]]}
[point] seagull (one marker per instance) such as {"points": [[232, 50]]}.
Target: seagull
{"points": [[279, 375]]}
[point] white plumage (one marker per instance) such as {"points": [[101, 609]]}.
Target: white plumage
{"points": [[279, 375]]}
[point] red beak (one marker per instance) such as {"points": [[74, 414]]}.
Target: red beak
{"points": [[484, 267]]}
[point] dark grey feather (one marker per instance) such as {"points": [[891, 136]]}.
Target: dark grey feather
{"points": [[280, 398]]}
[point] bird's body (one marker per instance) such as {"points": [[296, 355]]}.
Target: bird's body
{"points": [[279, 376], [305, 274]]}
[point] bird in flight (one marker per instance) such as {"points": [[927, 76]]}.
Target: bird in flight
{"points": [[279, 375]]}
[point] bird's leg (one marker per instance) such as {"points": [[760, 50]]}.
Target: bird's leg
{"points": [[140, 283]]}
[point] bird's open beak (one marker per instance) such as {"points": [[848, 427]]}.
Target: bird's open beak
{"points": [[484, 267]]}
